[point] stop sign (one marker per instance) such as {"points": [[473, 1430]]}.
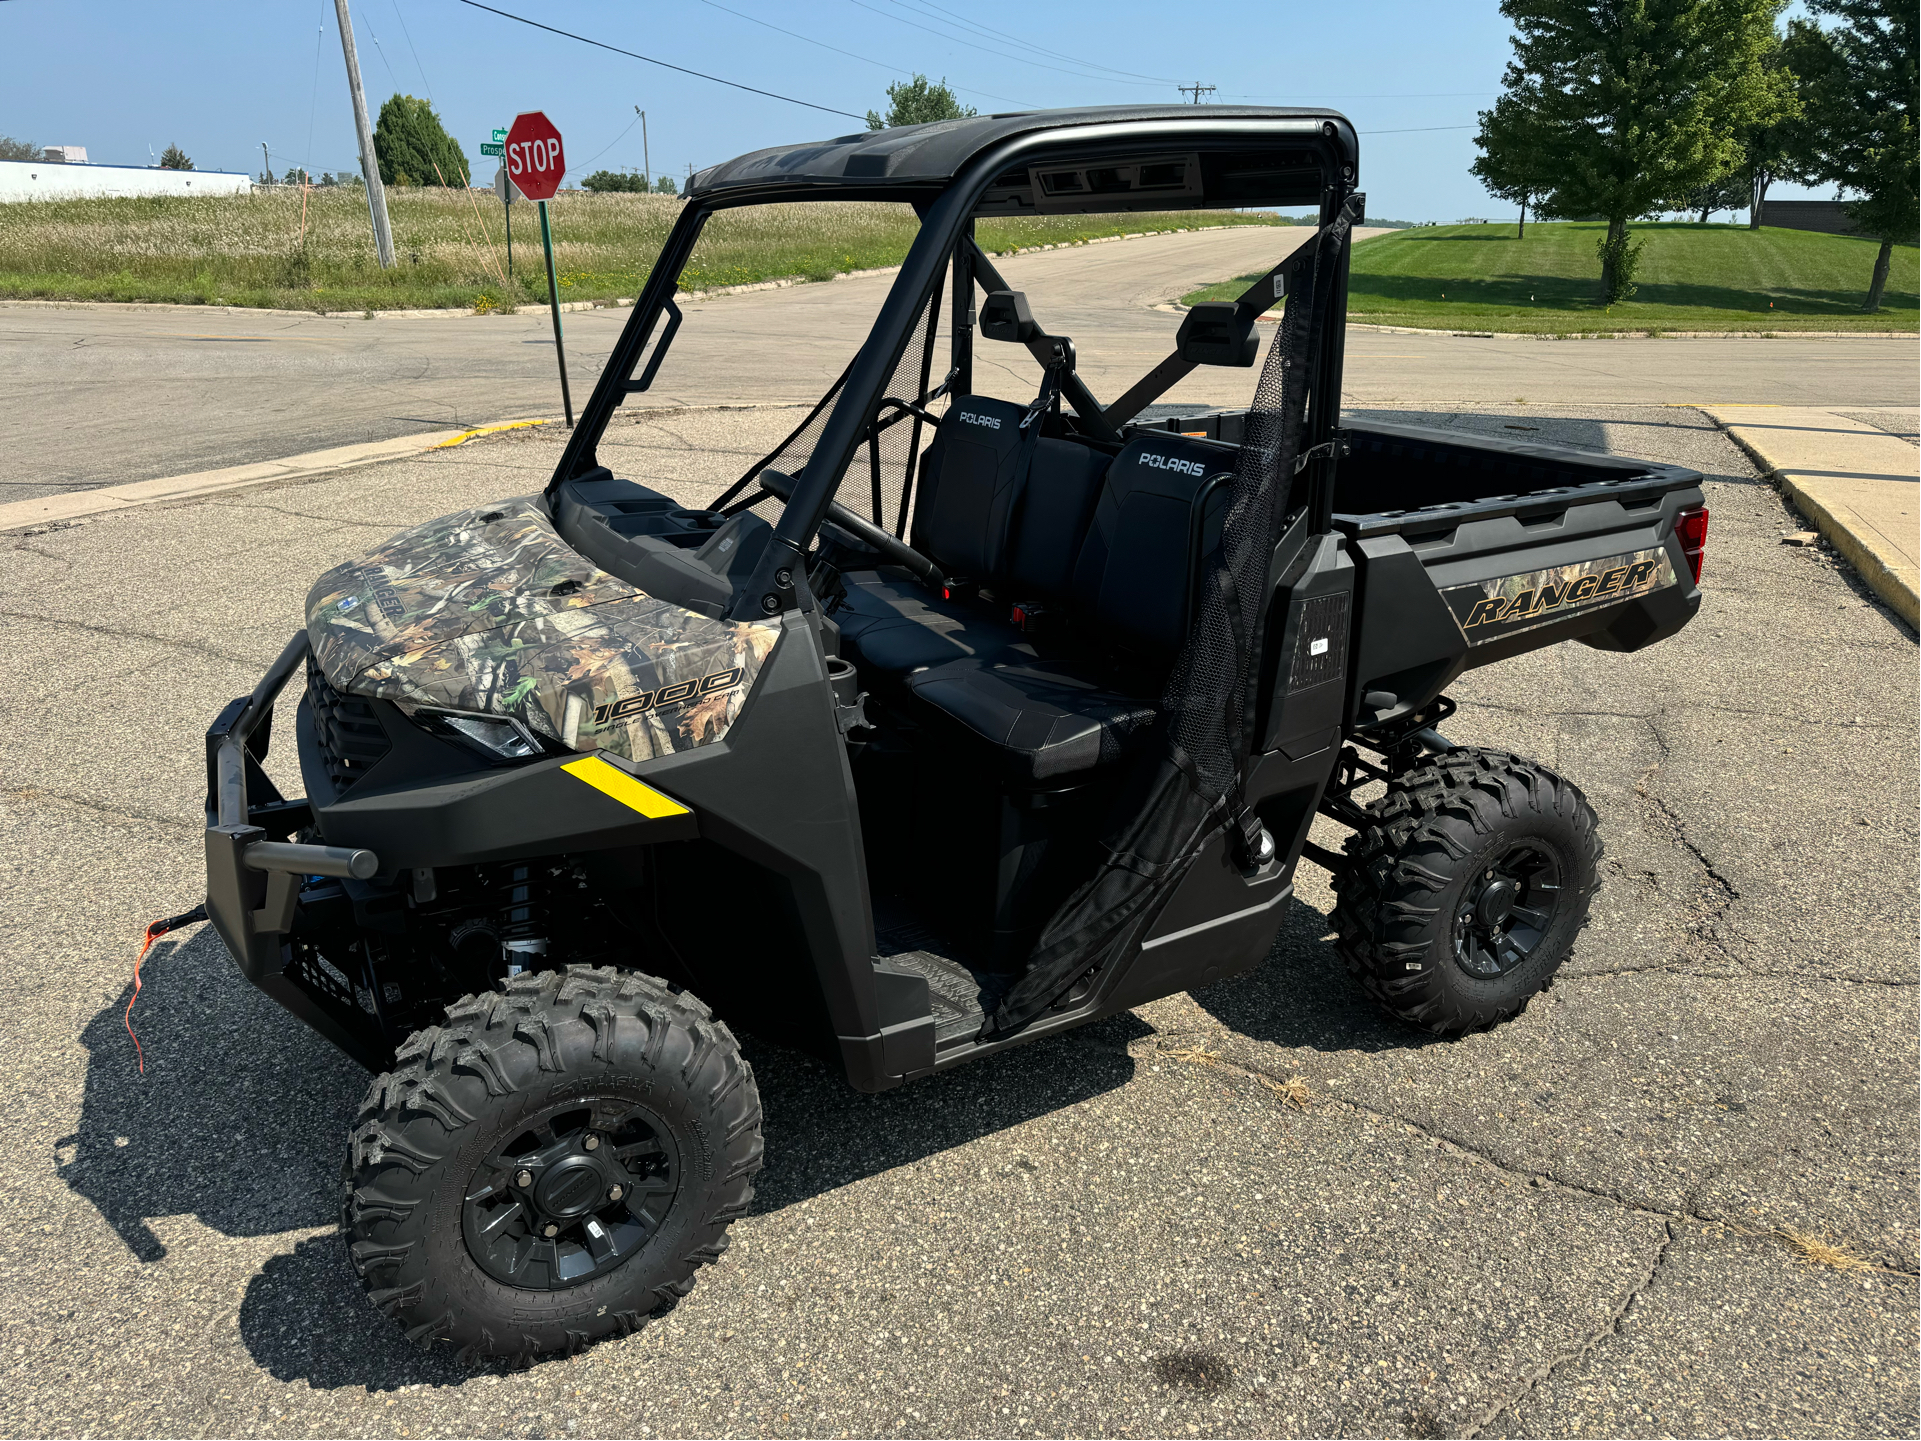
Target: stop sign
{"points": [[534, 157]]}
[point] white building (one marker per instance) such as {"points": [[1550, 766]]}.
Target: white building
{"points": [[53, 180]]}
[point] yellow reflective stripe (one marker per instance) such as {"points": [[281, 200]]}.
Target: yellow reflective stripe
{"points": [[610, 780]]}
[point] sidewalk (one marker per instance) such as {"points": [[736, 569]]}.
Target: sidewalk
{"points": [[1857, 485]]}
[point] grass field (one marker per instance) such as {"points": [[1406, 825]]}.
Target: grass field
{"points": [[251, 250], [1691, 277]]}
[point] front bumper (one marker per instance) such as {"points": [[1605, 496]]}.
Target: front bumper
{"points": [[253, 873]]}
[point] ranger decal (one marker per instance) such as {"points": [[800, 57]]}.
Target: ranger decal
{"points": [[1487, 610]]}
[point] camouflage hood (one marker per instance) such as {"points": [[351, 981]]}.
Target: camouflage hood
{"points": [[489, 610]]}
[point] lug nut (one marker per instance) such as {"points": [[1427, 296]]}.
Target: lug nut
{"points": [[550, 1231], [613, 1193], [524, 1178], [592, 1143]]}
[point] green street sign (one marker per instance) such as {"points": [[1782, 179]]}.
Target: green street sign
{"points": [[499, 150], [499, 136]]}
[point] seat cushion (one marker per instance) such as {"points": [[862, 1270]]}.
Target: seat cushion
{"points": [[1041, 721], [892, 624]]}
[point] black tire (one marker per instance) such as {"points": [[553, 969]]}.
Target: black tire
{"points": [[574, 1063], [1425, 877]]}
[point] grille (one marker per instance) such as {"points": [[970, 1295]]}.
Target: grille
{"points": [[1323, 624], [351, 740]]}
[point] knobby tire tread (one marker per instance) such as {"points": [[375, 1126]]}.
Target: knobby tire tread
{"points": [[1430, 821], [529, 1037]]}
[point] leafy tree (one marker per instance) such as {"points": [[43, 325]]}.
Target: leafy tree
{"points": [[1773, 140], [1730, 192], [11, 149], [664, 185], [1513, 163], [918, 102], [1636, 101], [413, 148], [615, 180], [174, 158], [1858, 83]]}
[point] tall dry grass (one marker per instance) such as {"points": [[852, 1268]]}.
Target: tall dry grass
{"points": [[451, 246]]}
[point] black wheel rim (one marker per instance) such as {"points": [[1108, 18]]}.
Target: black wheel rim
{"points": [[1507, 910], [574, 1193]]}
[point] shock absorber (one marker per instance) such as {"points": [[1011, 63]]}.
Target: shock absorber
{"points": [[521, 916]]}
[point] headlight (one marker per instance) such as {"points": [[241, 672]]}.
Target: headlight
{"points": [[498, 737]]}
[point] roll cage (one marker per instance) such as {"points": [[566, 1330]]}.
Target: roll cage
{"points": [[1243, 155]]}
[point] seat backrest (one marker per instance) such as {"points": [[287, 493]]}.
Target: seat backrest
{"points": [[967, 485], [1157, 520], [1051, 519]]}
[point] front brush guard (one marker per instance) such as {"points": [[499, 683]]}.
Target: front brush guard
{"points": [[253, 875]]}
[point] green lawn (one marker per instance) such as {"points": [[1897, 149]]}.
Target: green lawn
{"points": [[1691, 277], [260, 250]]}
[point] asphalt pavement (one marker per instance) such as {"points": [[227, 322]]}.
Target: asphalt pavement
{"points": [[1676, 1196], [105, 395]]}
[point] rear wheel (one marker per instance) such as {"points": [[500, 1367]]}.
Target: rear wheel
{"points": [[551, 1165], [1464, 894]]}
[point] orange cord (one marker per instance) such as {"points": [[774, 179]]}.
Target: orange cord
{"points": [[154, 933]]}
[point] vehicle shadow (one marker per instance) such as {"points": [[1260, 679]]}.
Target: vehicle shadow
{"points": [[1303, 998], [242, 1115], [237, 1120]]}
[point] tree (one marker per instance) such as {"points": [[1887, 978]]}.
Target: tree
{"points": [[1635, 102], [1858, 84], [11, 149], [413, 148], [615, 180], [918, 102], [1773, 139], [174, 158], [664, 185], [1732, 191], [1513, 163]]}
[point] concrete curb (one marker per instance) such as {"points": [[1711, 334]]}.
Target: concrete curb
{"points": [[49, 510], [1855, 484]]}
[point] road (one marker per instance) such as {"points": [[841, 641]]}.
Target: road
{"points": [[1577, 1224], [104, 395]]}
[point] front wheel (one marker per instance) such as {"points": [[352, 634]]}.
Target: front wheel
{"points": [[552, 1164], [1464, 894]]}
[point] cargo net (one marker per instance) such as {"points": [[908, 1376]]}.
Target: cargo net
{"points": [[1192, 785], [879, 481]]}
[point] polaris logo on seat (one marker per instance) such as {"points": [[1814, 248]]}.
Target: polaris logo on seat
{"points": [[992, 422], [1173, 463]]}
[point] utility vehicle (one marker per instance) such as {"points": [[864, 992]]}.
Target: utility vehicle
{"points": [[957, 722]]}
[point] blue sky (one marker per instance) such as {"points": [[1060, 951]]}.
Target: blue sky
{"points": [[218, 77]]}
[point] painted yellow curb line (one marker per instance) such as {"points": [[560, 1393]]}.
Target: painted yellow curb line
{"points": [[467, 435], [79, 504]]}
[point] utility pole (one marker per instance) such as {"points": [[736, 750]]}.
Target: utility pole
{"points": [[1198, 89], [646, 155], [369, 162], [266, 165]]}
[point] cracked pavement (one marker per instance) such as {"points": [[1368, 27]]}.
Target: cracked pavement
{"points": [[1577, 1224]]}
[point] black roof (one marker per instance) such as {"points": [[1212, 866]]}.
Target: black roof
{"points": [[930, 155]]}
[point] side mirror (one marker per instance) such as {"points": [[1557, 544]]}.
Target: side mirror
{"points": [[1005, 316], [1218, 332]]}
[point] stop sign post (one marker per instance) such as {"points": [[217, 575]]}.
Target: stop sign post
{"points": [[535, 162]]}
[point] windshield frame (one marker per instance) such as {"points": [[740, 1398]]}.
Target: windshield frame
{"points": [[946, 214]]}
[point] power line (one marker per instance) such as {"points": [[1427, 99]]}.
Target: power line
{"points": [[416, 54], [1000, 54], [1419, 130], [665, 65], [962, 22], [864, 59]]}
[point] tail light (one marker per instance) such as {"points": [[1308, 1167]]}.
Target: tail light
{"points": [[1691, 526]]}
